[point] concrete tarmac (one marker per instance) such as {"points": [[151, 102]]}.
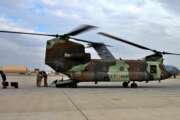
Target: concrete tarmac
{"points": [[105, 101]]}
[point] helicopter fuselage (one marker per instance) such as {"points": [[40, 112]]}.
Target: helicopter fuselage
{"points": [[71, 59], [119, 70]]}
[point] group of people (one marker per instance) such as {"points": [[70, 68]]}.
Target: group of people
{"points": [[41, 75]]}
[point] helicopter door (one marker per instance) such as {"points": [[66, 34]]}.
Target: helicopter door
{"points": [[154, 70]]}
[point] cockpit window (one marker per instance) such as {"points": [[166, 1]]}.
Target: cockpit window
{"points": [[153, 69]]}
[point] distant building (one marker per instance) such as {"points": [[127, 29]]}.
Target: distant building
{"points": [[15, 69]]}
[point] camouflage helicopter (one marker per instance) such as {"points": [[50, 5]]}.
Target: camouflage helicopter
{"points": [[69, 57]]}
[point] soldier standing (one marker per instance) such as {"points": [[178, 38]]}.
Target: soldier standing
{"points": [[38, 79], [41, 75], [4, 83], [45, 76]]}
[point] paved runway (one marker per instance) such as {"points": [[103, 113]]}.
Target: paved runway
{"points": [[105, 101]]}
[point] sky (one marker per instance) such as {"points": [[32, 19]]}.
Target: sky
{"points": [[152, 23]]}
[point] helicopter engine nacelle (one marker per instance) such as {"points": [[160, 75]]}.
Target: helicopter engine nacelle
{"points": [[62, 54]]}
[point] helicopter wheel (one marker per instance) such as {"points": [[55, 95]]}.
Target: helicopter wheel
{"points": [[73, 84], [125, 84], [134, 85]]}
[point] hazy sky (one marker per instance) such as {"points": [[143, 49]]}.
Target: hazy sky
{"points": [[152, 23]]}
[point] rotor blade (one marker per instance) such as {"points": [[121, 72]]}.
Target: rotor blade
{"points": [[127, 42], [82, 28], [136, 45], [93, 43], [168, 53], [40, 34]]}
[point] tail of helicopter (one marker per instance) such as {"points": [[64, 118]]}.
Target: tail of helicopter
{"points": [[62, 54]]}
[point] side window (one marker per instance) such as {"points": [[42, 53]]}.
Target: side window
{"points": [[121, 68], [153, 69], [86, 69]]}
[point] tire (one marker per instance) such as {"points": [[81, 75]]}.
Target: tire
{"points": [[74, 84], [125, 84], [134, 85]]}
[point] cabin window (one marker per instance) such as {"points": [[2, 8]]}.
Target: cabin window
{"points": [[121, 68], [153, 69], [86, 69]]}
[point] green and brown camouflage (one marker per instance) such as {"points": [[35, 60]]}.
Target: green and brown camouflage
{"points": [[62, 55], [71, 59]]}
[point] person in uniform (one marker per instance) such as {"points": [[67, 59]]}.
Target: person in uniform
{"points": [[42, 75], [39, 79], [4, 83]]}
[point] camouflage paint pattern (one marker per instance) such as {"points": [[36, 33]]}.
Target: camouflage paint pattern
{"points": [[71, 59], [119, 71], [62, 55]]}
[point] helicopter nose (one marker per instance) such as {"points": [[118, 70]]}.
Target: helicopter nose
{"points": [[172, 70]]}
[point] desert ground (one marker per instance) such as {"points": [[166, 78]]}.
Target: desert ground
{"points": [[104, 101]]}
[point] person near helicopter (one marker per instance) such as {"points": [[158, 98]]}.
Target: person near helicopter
{"points": [[4, 83], [40, 76]]}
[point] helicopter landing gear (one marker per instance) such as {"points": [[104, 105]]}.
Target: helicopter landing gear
{"points": [[73, 84], [125, 84], [134, 85]]}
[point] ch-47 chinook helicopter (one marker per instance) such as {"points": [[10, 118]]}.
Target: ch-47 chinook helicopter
{"points": [[69, 57]]}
